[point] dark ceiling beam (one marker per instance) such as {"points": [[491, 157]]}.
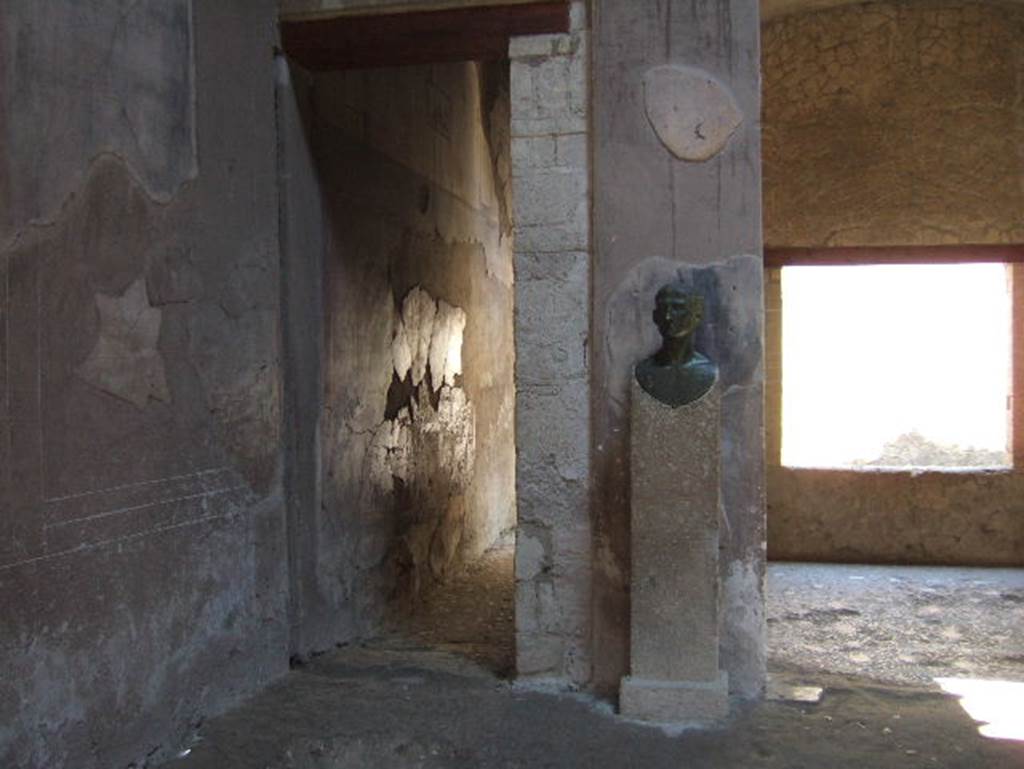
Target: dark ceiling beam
{"points": [[423, 37], [853, 255]]}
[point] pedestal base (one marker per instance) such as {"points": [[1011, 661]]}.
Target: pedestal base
{"points": [[675, 702]]}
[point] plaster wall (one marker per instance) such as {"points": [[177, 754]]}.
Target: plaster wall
{"points": [[655, 217], [895, 124], [418, 453], [142, 558], [892, 124]]}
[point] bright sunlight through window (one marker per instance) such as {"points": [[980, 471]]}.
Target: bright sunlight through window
{"points": [[895, 366]]}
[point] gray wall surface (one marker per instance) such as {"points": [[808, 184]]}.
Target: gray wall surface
{"points": [[142, 561], [418, 462], [654, 215], [892, 124], [550, 81]]}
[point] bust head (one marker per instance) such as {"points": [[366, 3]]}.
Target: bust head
{"points": [[677, 374], [677, 311]]}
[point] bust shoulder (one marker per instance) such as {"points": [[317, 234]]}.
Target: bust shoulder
{"points": [[676, 384]]}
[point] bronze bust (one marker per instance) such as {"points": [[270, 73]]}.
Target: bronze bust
{"points": [[677, 374]]}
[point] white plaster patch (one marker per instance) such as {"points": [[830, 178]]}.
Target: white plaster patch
{"points": [[401, 352], [125, 361], [418, 310], [446, 344], [429, 333], [692, 113]]}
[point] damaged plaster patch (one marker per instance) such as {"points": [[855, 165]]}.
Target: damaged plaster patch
{"points": [[125, 362], [692, 113], [411, 346], [446, 344], [430, 334], [420, 460]]}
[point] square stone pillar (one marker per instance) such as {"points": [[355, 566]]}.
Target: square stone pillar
{"points": [[674, 668]]}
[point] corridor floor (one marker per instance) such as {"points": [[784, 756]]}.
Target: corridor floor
{"points": [[874, 639]]}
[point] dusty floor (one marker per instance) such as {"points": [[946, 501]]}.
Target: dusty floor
{"points": [[872, 638], [472, 615], [897, 624]]}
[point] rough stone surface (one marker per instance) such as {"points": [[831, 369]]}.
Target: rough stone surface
{"points": [[551, 181], [674, 510], [691, 111], [417, 451], [894, 123], [897, 624], [142, 544], [934, 517], [675, 702]]}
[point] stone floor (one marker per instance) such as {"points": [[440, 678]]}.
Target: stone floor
{"points": [[874, 640], [472, 614], [896, 624]]}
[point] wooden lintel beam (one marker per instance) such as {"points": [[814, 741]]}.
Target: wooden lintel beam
{"points": [[422, 37], [854, 255]]}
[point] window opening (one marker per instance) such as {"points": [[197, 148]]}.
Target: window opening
{"points": [[896, 366]]}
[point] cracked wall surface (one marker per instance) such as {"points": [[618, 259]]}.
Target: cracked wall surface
{"points": [[891, 123], [418, 399], [142, 582], [655, 215], [894, 124]]}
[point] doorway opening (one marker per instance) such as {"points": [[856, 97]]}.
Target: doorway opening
{"points": [[418, 444], [397, 224]]}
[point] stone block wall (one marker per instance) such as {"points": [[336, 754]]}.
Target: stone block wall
{"points": [[551, 192]]}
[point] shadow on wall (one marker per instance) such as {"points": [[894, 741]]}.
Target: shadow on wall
{"points": [[418, 441]]}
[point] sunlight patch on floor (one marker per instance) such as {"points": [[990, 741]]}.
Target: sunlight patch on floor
{"points": [[997, 705]]}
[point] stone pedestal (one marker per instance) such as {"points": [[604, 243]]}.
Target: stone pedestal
{"points": [[674, 672]]}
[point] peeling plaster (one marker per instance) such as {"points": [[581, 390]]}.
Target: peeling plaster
{"points": [[430, 334]]}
